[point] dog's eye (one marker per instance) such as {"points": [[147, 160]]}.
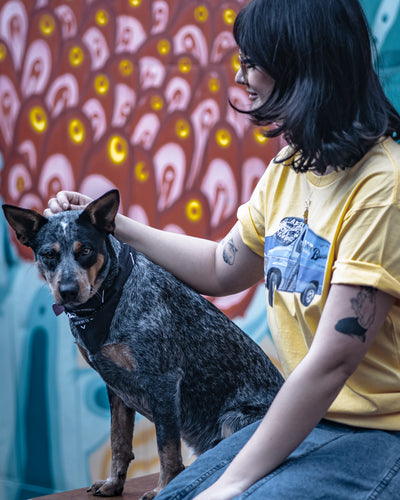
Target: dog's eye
{"points": [[86, 251], [50, 255]]}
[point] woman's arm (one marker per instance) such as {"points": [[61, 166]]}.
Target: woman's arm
{"points": [[309, 391], [210, 268]]}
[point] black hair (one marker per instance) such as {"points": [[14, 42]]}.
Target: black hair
{"points": [[327, 99]]}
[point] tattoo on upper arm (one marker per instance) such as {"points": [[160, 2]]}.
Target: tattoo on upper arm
{"points": [[364, 306], [229, 252]]}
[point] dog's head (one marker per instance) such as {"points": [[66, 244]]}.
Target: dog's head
{"points": [[69, 247]]}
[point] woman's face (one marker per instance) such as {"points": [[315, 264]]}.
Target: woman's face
{"points": [[259, 84]]}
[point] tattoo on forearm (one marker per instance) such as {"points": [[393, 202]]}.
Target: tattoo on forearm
{"points": [[229, 252], [364, 306]]}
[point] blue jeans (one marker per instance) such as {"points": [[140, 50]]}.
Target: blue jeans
{"points": [[335, 462]]}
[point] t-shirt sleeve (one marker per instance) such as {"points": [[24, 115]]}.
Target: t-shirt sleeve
{"points": [[368, 249]]}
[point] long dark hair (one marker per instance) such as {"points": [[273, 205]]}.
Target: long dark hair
{"points": [[327, 99]]}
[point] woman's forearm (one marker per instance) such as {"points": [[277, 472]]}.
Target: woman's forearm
{"points": [[190, 259], [210, 268], [296, 410]]}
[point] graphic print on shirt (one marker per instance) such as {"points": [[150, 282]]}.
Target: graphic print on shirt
{"points": [[295, 260]]}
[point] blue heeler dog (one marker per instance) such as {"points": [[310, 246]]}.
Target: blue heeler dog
{"points": [[161, 348]]}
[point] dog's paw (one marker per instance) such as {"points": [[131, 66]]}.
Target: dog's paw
{"points": [[149, 495], [107, 488]]}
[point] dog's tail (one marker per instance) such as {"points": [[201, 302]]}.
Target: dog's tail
{"points": [[244, 413]]}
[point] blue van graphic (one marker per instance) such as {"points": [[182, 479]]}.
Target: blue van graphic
{"points": [[295, 260]]}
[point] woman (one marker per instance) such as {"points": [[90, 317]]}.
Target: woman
{"points": [[322, 227]]}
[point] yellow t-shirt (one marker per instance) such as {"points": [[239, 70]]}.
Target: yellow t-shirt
{"points": [[352, 237]]}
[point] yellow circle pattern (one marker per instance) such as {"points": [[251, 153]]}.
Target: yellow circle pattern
{"points": [[125, 67], [201, 13], [38, 119], [185, 65], [163, 47], [229, 16], [102, 17], [259, 136], [214, 84], [101, 84], [156, 102], [47, 24], [76, 131], [76, 56], [117, 149], [140, 171], [3, 52], [194, 210], [223, 138], [135, 3], [235, 63], [182, 128]]}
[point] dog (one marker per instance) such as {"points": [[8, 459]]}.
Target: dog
{"points": [[162, 349]]}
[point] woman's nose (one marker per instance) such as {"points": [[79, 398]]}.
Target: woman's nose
{"points": [[239, 77]]}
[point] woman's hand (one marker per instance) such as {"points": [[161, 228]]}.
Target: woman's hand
{"points": [[220, 491], [66, 200]]}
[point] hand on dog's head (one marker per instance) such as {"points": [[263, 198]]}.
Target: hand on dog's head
{"points": [[27, 223]]}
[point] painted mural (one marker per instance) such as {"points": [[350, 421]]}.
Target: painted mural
{"points": [[132, 94]]}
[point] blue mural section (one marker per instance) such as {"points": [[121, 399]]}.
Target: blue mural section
{"points": [[384, 19], [54, 409]]}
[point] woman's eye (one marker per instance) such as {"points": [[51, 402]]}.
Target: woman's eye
{"points": [[250, 65]]}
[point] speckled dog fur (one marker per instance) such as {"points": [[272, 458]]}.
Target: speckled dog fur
{"points": [[168, 354]]}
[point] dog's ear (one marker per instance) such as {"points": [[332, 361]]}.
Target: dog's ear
{"points": [[26, 223], [101, 212]]}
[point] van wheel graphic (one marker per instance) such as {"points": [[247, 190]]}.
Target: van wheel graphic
{"points": [[308, 294], [273, 283]]}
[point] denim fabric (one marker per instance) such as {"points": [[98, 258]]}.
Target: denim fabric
{"points": [[335, 462]]}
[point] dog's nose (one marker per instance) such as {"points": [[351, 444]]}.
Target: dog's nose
{"points": [[69, 291]]}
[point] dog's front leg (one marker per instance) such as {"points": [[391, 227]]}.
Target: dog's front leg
{"points": [[122, 423], [165, 396]]}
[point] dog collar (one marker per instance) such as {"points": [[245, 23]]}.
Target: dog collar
{"points": [[93, 318]]}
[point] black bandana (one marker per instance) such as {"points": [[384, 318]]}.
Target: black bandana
{"points": [[93, 319]]}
